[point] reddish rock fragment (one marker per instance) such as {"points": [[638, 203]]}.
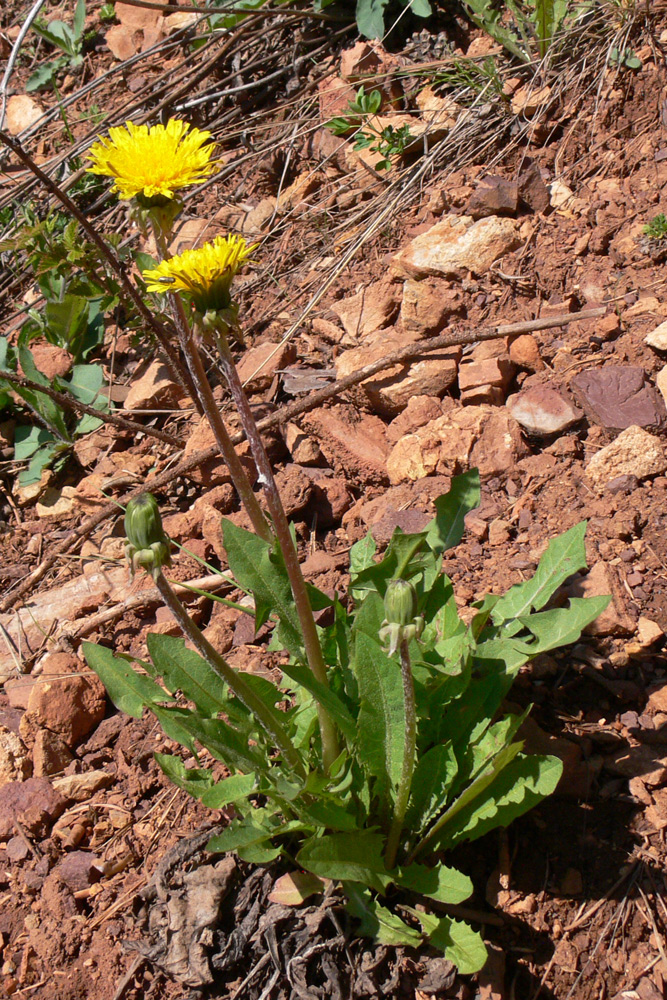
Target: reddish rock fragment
{"points": [[67, 699], [35, 803], [617, 397]]}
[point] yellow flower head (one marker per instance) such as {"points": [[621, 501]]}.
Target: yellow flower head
{"points": [[153, 162], [206, 273]]}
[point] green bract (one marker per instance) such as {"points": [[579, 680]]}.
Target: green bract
{"points": [[147, 544]]}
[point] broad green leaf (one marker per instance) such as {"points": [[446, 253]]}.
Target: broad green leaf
{"points": [[260, 853], [67, 321], [447, 885], [193, 780], [27, 440], [562, 626], [370, 17], [377, 922], [222, 741], [446, 530], [48, 410], [433, 777], [222, 793], [347, 857], [517, 787], [459, 943], [129, 691], [327, 815], [381, 722], [421, 8], [239, 833], [564, 556], [184, 670], [337, 709]]}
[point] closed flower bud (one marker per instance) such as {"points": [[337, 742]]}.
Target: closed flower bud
{"points": [[147, 544], [400, 602]]}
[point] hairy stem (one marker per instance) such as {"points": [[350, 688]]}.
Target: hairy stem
{"points": [[407, 771], [267, 718], [311, 640]]}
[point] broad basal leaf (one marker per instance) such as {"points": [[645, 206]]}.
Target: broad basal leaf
{"points": [[377, 922], [184, 670], [347, 857], [129, 691], [230, 790], [381, 722], [459, 943], [446, 530], [433, 777], [193, 780], [441, 883]]}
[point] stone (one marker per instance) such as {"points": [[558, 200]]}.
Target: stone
{"points": [[533, 192], [493, 195], [524, 351], [352, 443], [23, 111], [427, 305], [50, 754], [303, 448], [527, 100], [499, 532], [154, 390], [368, 310], [391, 389], [493, 371], [259, 217], [617, 397], [631, 762], [56, 503], [542, 411], [635, 452], [419, 411], [15, 763], [80, 787], [657, 338], [34, 802], [67, 699], [479, 394], [258, 366], [457, 244], [602, 580], [464, 437], [78, 870], [661, 382], [334, 95], [52, 361]]}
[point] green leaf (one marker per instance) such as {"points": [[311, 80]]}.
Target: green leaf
{"points": [[381, 722], [433, 777], [222, 741], [370, 18], [239, 834], [459, 943], [562, 626], [336, 708], [67, 321], [193, 780], [516, 787], [564, 556], [447, 885], [129, 691], [421, 8], [446, 530], [233, 789], [347, 857], [377, 922], [184, 670], [79, 19]]}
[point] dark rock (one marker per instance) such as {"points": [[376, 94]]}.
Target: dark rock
{"points": [[35, 803], [493, 196], [618, 396], [622, 484], [533, 191]]}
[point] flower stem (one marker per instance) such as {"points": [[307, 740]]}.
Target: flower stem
{"points": [[267, 718], [405, 785], [311, 641]]}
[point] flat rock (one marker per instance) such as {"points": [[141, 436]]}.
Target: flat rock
{"points": [[15, 763], [657, 338], [635, 452], [632, 762], [50, 754], [154, 390], [533, 192], [618, 396], [353, 443], [542, 410], [495, 372], [419, 411], [427, 305], [457, 244], [80, 787], [258, 366], [464, 437], [602, 580], [67, 699], [34, 802], [661, 382], [368, 310], [494, 195], [390, 391]]}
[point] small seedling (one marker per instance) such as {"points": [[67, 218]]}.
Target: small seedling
{"points": [[387, 141], [69, 39], [656, 229]]}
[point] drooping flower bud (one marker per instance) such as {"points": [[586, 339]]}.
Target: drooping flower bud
{"points": [[400, 602], [147, 544]]}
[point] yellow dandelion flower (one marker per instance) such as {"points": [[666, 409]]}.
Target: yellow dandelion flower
{"points": [[205, 273], [153, 162]]}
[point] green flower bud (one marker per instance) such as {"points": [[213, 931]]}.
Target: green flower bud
{"points": [[147, 544], [400, 602]]}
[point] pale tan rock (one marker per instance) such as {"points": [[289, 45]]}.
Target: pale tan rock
{"points": [[480, 394], [390, 391], [154, 390], [657, 338], [464, 437], [635, 452], [303, 448], [22, 112], [50, 754], [661, 382], [368, 310], [258, 365], [304, 185], [494, 371], [527, 100], [51, 360], [603, 580], [499, 532], [80, 787], [560, 195], [179, 20], [15, 763], [440, 113], [427, 305], [456, 244], [648, 632], [259, 217], [68, 699], [56, 503], [542, 410]]}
